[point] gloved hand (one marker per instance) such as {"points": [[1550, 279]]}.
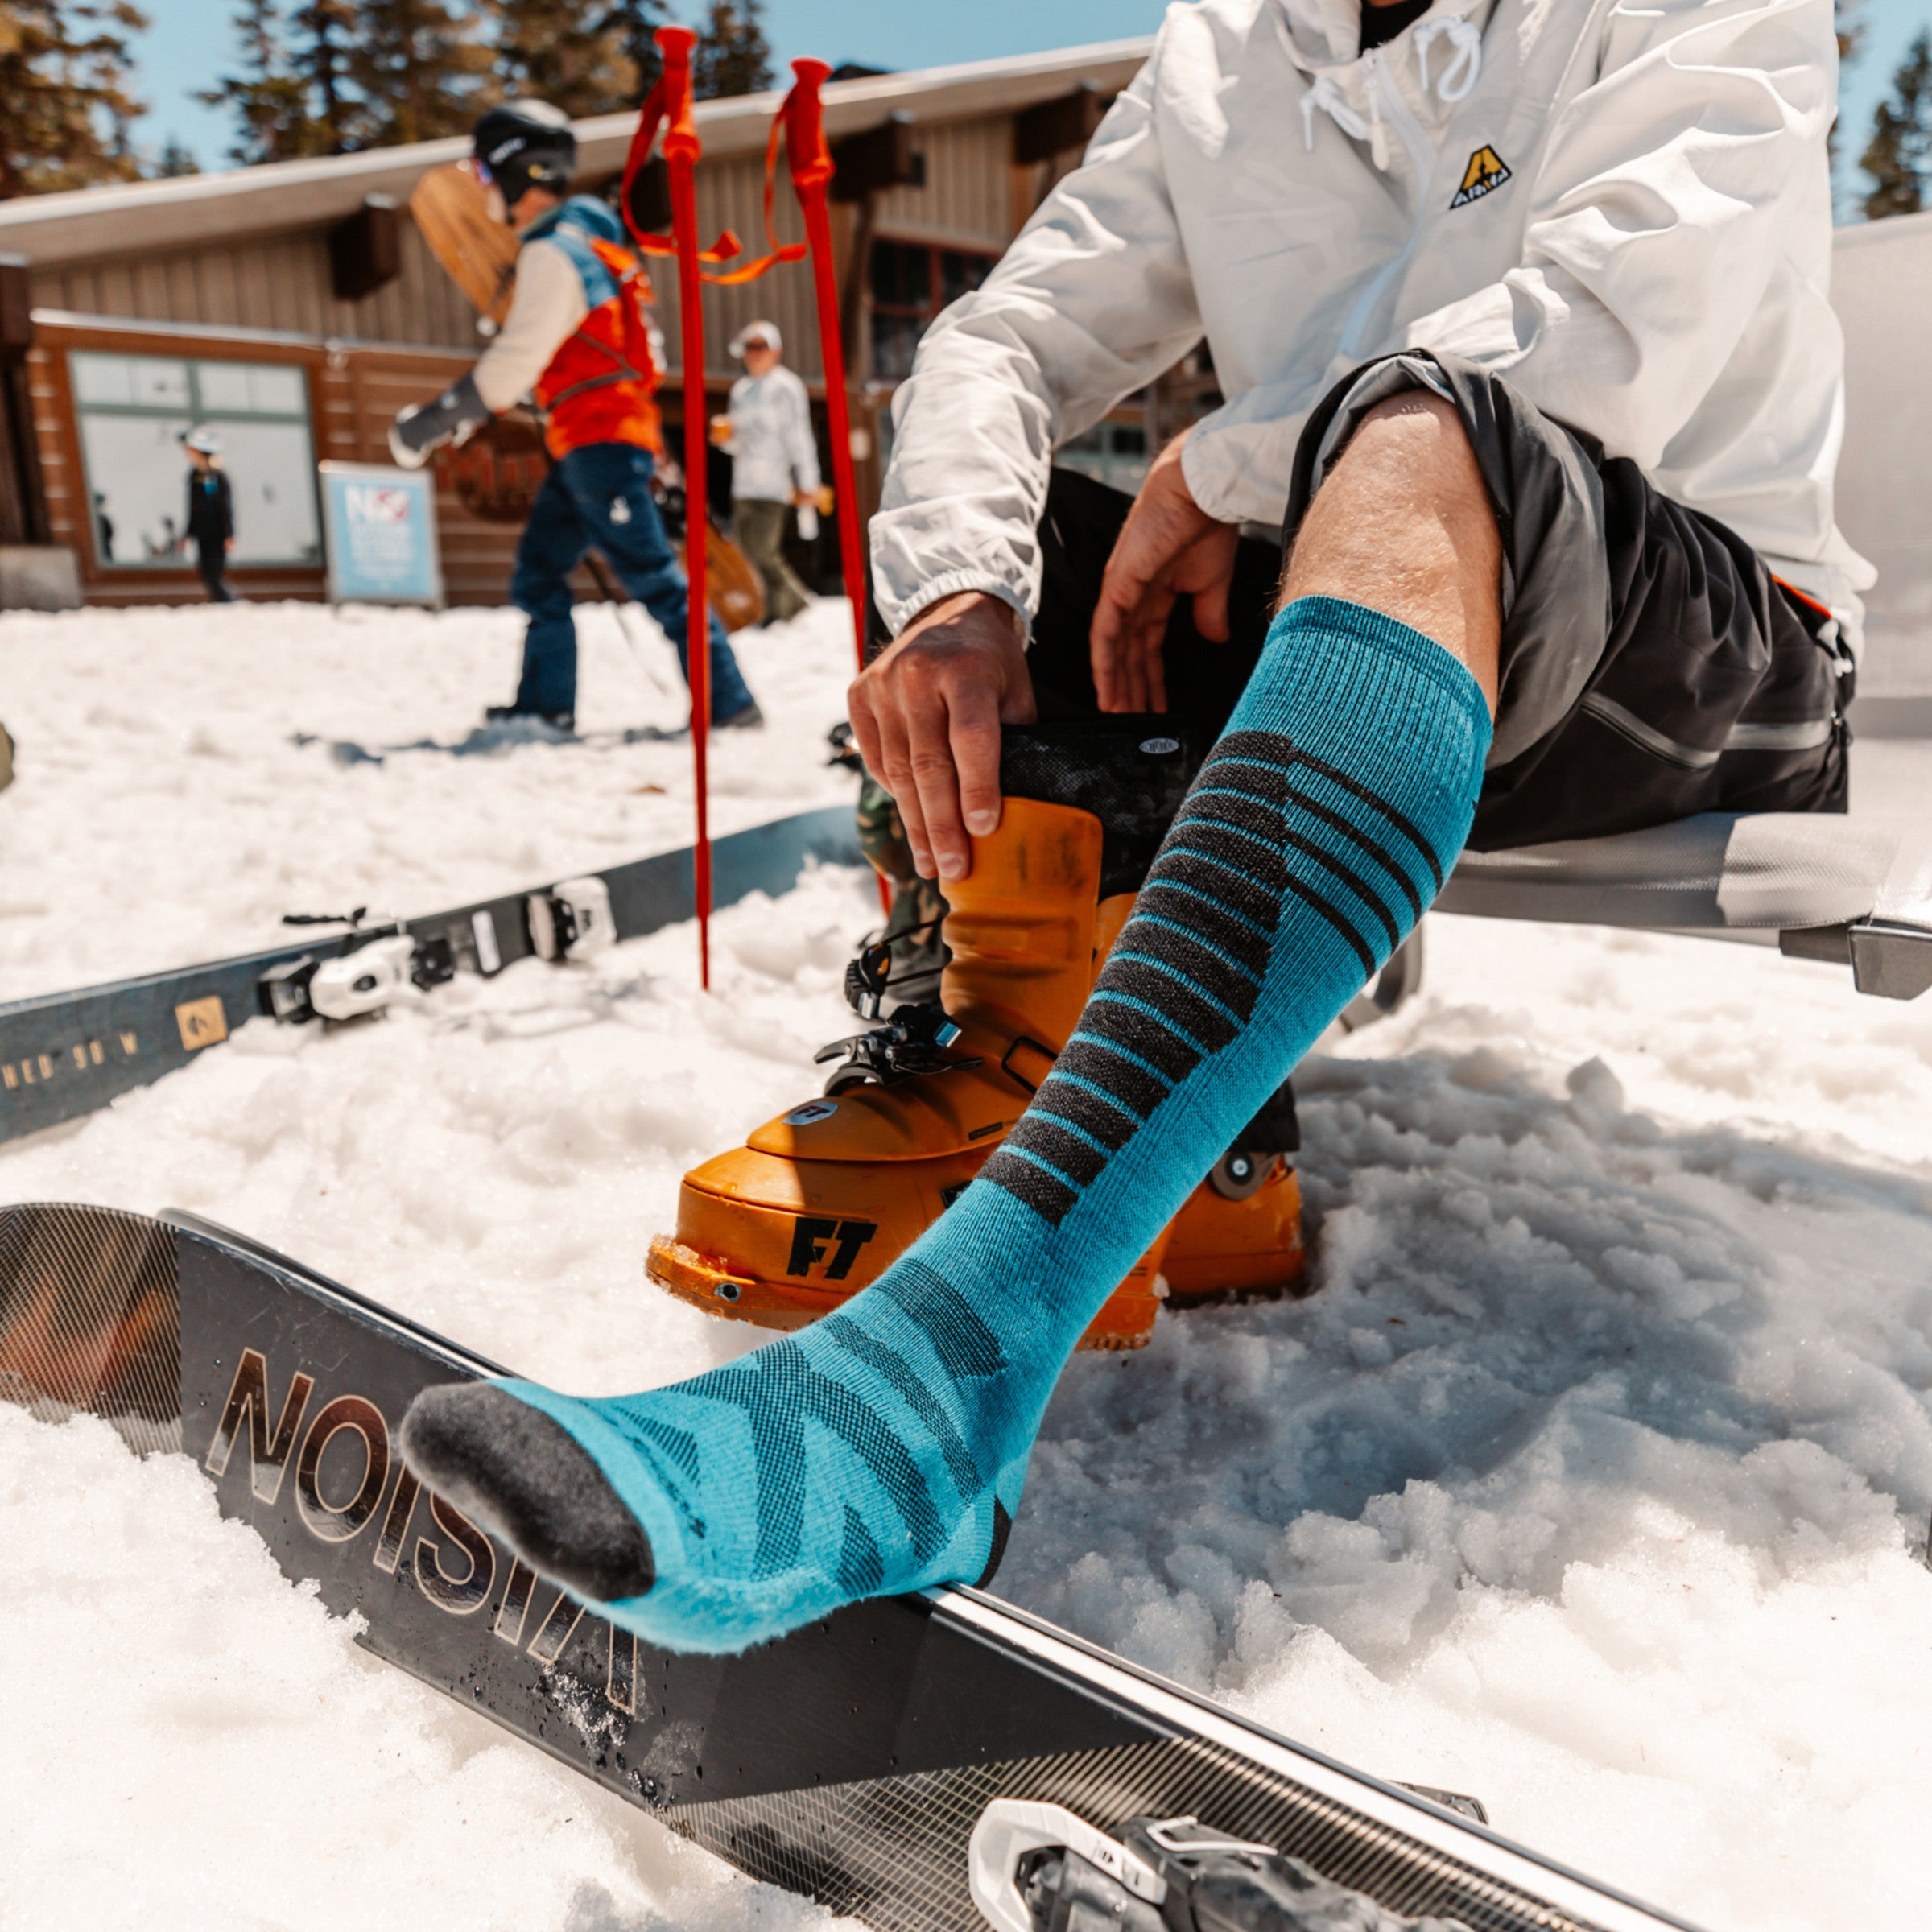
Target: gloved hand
{"points": [[424, 427]]}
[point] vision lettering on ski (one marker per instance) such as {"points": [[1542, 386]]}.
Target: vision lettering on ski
{"points": [[813, 1237], [453, 1565]]}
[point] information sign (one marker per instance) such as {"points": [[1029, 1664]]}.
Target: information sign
{"points": [[380, 525]]}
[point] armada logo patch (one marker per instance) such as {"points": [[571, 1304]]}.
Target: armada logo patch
{"points": [[1487, 171]]}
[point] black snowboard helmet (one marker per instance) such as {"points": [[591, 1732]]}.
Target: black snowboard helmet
{"points": [[525, 144]]}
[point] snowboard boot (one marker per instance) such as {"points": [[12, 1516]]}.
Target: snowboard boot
{"points": [[818, 1202]]}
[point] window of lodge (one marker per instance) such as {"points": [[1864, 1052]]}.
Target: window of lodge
{"points": [[909, 283], [133, 411]]}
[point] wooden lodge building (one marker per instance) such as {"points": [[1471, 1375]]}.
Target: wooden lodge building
{"points": [[295, 306]]}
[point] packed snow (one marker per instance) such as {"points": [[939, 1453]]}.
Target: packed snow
{"points": [[1593, 1478]]}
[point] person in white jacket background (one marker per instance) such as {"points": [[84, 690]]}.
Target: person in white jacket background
{"points": [[775, 463]]}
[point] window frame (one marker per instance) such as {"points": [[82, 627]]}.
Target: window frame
{"points": [[936, 302], [189, 354]]}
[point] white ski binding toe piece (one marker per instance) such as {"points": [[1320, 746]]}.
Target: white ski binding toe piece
{"points": [[356, 983], [572, 919], [363, 981], [1040, 1868], [1004, 1859]]}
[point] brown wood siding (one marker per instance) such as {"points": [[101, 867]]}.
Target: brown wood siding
{"points": [[353, 393], [967, 196], [47, 384], [731, 194], [279, 282], [282, 282]]}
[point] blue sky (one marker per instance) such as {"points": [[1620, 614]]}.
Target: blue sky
{"points": [[180, 53]]}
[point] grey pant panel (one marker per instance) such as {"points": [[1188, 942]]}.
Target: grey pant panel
{"points": [[1550, 503], [1652, 667]]}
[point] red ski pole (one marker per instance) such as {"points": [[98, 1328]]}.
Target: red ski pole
{"points": [[811, 176], [681, 150], [811, 172]]}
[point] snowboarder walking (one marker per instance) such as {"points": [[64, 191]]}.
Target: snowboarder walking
{"points": [[775, 464], [1520, 315], [579, 337], [210, 523]]}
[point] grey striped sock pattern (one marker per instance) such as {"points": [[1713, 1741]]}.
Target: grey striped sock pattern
{"points": [[1183, 980]]}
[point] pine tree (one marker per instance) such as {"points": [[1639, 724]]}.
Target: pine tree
{"points": [[271, 122], [1851, 40], [732, 56], [177, 158], [570, 53], [1898, 159], [421, 68], [290, 101], [65, 110], [635, 23], [324, 30]]}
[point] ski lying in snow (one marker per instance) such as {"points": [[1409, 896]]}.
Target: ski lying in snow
{"points": [[927, 1763], [67, 1053]]}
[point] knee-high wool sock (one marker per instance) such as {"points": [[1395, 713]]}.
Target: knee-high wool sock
{"points": [[883, 1448]]}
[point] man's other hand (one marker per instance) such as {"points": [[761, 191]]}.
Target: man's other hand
{"points": [[1169, 548], [927, 711]]}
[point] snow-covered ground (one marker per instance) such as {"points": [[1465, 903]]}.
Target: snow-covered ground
{"points": [[1594, 1479]]}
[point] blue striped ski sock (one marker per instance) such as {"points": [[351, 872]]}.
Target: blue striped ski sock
{"points": [[883, 1449]]}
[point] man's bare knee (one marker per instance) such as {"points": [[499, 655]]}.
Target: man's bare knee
{"points": [[1403, 524], [1414, 450]]}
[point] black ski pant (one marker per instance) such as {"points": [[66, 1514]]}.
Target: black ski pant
{"points": [[211, 562]]}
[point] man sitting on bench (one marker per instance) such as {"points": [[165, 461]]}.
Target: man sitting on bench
{"points": [[1520, 313]]}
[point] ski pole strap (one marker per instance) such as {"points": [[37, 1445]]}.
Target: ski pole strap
{"points": [[644, 138], [727, 247]]}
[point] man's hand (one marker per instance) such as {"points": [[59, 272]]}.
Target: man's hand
{"points": [[1169, 548], [927, 712]]}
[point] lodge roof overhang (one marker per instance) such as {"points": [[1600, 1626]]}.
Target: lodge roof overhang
{"points": [[144, 217]]}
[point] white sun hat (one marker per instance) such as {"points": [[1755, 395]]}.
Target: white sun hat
{"points": [[766, 332]]}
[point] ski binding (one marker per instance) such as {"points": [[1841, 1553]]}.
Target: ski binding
{"points": [[1041, 1867], [572, 919]]}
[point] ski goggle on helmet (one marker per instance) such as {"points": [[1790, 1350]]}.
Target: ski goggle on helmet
{"points": [[525, 144]]}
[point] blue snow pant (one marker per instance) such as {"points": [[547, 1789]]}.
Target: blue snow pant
{"points": [[600, 496]]}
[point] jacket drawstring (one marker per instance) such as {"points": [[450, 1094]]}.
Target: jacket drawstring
{"points": [[1465, 65], [1325, 97], [1455, 84]]}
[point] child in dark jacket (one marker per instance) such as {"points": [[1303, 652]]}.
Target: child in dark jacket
{"points": [[211, 511]]}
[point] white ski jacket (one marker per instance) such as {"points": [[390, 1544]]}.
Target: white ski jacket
{"points": [[772, 452], [1622, 206]]}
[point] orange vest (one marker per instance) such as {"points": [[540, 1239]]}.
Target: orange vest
{"points": [[600, 385]]}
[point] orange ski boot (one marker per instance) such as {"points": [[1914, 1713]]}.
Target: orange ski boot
{"points": [[818, 1202]]}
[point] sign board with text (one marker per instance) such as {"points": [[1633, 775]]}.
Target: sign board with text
{"points": [[380, 525]]}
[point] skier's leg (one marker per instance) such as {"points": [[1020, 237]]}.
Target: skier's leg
{"points": [[612, 484], [553, 544], [759, 527], [212, 562], [883, 1448]]}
